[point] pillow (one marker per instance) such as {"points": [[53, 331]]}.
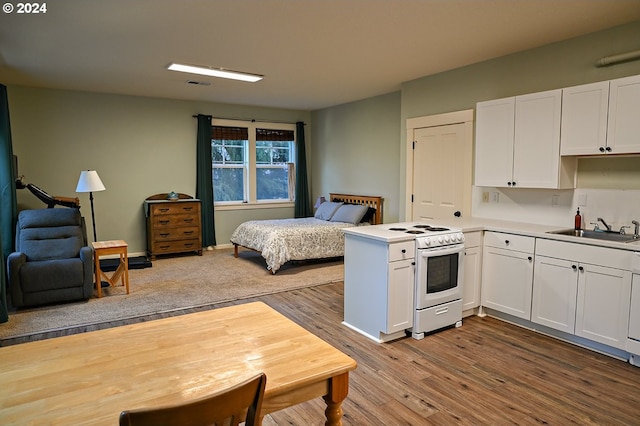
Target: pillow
{"points": [[369, 215], [326, 210], [349, 213]]}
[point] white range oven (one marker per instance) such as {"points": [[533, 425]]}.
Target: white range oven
{"points": [[439, 278]]}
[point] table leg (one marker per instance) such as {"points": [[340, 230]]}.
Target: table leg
{"points": [[338, 389], [96, 266], [125, 260]]}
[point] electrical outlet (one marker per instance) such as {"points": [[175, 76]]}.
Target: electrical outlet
{"points": [[495, 197], [485, 197], [555, 200]]}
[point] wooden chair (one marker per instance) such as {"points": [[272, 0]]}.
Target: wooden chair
{"points": [[231, 406]]}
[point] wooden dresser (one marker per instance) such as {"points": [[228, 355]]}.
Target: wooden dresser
{"points": [[173, 226]]}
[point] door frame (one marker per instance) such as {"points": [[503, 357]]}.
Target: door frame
{"points": [[465, 117]]}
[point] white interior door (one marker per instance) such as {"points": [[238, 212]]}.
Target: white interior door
{"points": [[439, 167]]}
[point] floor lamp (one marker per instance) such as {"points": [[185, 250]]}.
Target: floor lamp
{"points": [[90, 182]]}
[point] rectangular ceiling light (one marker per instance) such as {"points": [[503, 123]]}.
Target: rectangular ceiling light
{"points": [[215, 72]]}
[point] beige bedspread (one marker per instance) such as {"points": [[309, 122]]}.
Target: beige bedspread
{"points": [[282, 240]]}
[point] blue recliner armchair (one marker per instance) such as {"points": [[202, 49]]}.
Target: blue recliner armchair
{"points": [[52, 262]]}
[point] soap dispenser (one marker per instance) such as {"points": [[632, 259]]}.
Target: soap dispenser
{"points": [[578, 220]]}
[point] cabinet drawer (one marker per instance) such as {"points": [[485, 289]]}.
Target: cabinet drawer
{"points": [[175, 220], [402, 251], [174, 208], [509, 241], [584, 253], [164, 234], [175, 246]]}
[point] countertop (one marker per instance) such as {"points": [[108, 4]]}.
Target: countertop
{"points": [[380, 232]]}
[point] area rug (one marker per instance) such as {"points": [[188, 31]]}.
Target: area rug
{"points": [[171, 285]]}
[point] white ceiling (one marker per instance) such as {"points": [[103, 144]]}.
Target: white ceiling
{"points": [[313, 53]]}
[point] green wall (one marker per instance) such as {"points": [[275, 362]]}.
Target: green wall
{"points": [[139, 146], [357, 150]]}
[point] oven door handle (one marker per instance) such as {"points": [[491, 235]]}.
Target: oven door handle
{"points": [[457, 248]]}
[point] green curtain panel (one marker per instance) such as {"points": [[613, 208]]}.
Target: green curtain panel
{"points": [[204, 179], [302, 204], [9, 210]]}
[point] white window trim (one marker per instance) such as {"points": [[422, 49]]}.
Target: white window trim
{"points": [[253, 203]]}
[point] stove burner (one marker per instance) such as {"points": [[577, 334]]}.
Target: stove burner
{"points": [[415, 232], [431, 228], [397, 229]]}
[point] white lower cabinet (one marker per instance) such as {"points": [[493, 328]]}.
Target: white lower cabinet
{"points": [[472, 270], [507, 273], [378, 287], [579, 297], [555, 289], [602, 311], [400, 294]]}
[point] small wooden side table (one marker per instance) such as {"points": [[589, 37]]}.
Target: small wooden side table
{"points": [[103, 248]]}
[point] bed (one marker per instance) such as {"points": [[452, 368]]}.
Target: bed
{"points": [[320, 237]]}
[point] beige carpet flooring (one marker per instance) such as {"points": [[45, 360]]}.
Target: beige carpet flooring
{"points": [[169, 286]]}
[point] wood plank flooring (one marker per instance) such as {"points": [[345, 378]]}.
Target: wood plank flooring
{"points": [[486, 372]]}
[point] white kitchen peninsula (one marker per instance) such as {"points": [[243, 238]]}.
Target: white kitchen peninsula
{"points": [[378, 282]]}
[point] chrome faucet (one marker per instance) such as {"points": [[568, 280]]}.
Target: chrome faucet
{"points": [[635, 230], [604, 223]]}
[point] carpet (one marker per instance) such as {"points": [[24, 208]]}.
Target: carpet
{"points": [[171, 285]]}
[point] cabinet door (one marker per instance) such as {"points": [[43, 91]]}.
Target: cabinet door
{"points": [[536, 148], [472, 275], [400, 295], [634, 309], [584, 119], [507, 279], [555, 288], [602, 312], [494, 142], [623, 132]]}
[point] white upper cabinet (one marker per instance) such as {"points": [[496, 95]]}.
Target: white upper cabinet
{"points": [[518, 143], [623, 131], [494, 142], [584, 119], [601, 118]]}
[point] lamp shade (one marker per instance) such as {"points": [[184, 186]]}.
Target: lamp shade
{"points": [[89, 182]]}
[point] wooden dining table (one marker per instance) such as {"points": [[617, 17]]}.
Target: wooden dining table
{"points": [[89, 378]]}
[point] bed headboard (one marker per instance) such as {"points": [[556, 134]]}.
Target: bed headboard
{"points": [[366, 200]]}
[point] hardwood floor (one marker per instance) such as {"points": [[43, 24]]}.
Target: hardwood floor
{"points": [[486, 372]]}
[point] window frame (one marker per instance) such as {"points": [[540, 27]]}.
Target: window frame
{"points": [[251, 170]]}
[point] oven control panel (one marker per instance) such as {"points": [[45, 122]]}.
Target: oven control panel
{"points": [[433, 241]]}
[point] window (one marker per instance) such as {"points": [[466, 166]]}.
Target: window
{"points": [[252, 162]]}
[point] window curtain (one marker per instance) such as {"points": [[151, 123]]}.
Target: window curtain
{"points": [[204, 179], [9, 210], [302, 206]]}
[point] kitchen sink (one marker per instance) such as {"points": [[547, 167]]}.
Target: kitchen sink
{"points": [[598, 235]]}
